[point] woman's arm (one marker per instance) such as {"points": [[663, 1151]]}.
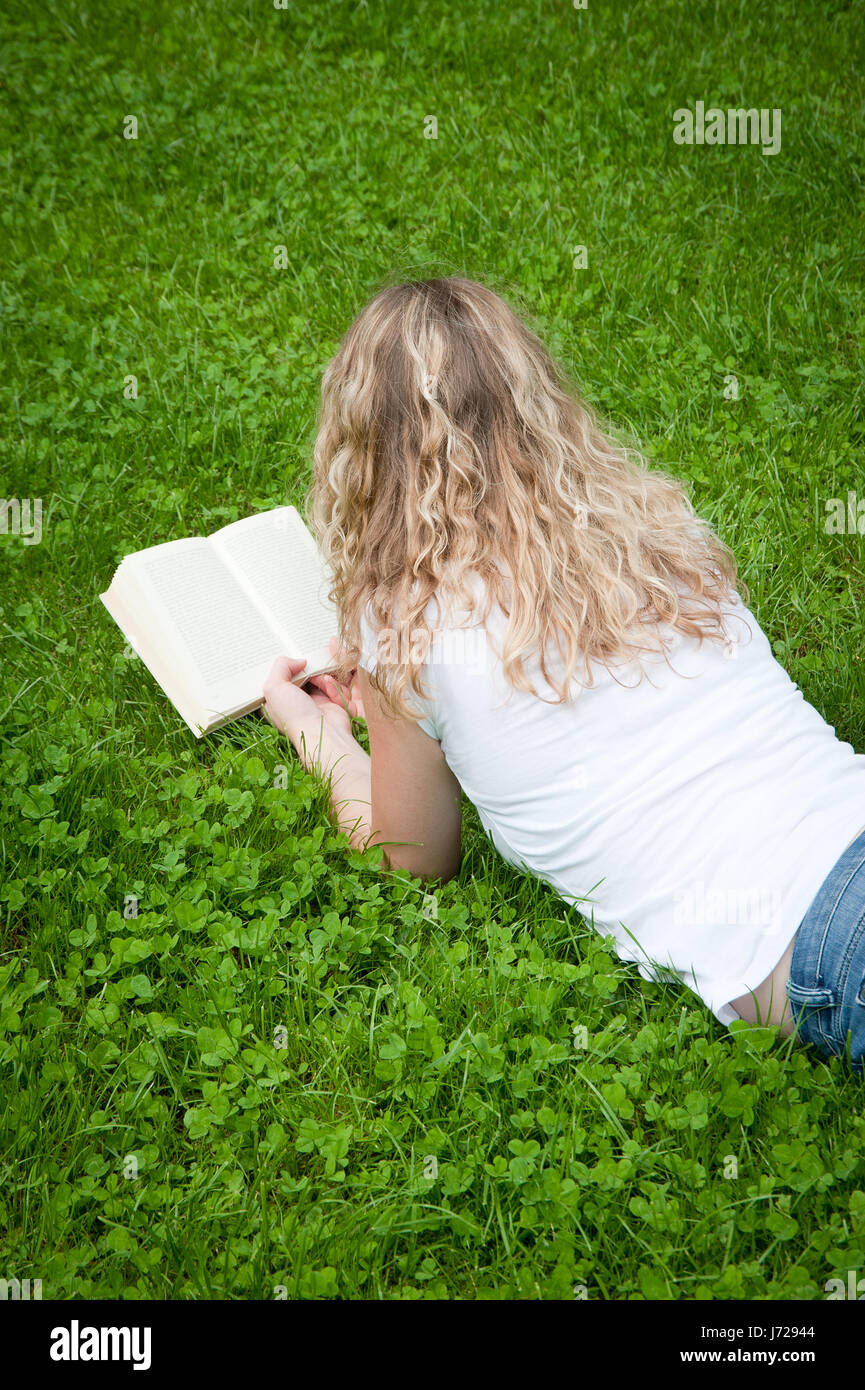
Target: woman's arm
{"points": [[416, 799], [402, 796]]}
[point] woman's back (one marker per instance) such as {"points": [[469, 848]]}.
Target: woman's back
{"points": [[697, 810]]}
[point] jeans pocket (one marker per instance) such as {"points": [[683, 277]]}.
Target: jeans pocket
{"points": [[812, 996], [813, 1008]]}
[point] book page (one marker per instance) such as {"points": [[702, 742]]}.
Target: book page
{"points": [[279, 566], [210, 629]]}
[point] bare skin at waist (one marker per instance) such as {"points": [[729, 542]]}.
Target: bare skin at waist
{"points": [[768, 1003]]}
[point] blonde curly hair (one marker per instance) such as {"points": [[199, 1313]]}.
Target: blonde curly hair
{"points": [[450, 444]]}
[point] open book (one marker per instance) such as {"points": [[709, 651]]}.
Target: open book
{"points": [[209, 616]]}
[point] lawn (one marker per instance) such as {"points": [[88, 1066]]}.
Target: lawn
{"points": [[236, 1060]]}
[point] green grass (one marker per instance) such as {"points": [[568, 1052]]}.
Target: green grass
{"points": [[413, 1030]]}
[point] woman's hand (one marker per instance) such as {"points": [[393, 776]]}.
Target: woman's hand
{"points": [[317, 719], [345, 693], [290, 707]]}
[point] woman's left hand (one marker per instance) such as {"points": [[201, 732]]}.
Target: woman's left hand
{"points": [[346, 692]]}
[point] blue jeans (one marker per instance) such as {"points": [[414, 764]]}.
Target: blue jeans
{"points": [[826, 988]]}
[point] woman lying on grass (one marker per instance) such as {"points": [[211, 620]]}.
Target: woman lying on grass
{"points": [[536, 618]]}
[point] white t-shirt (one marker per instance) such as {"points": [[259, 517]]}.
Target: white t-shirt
{"points": [[692, 816]]}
